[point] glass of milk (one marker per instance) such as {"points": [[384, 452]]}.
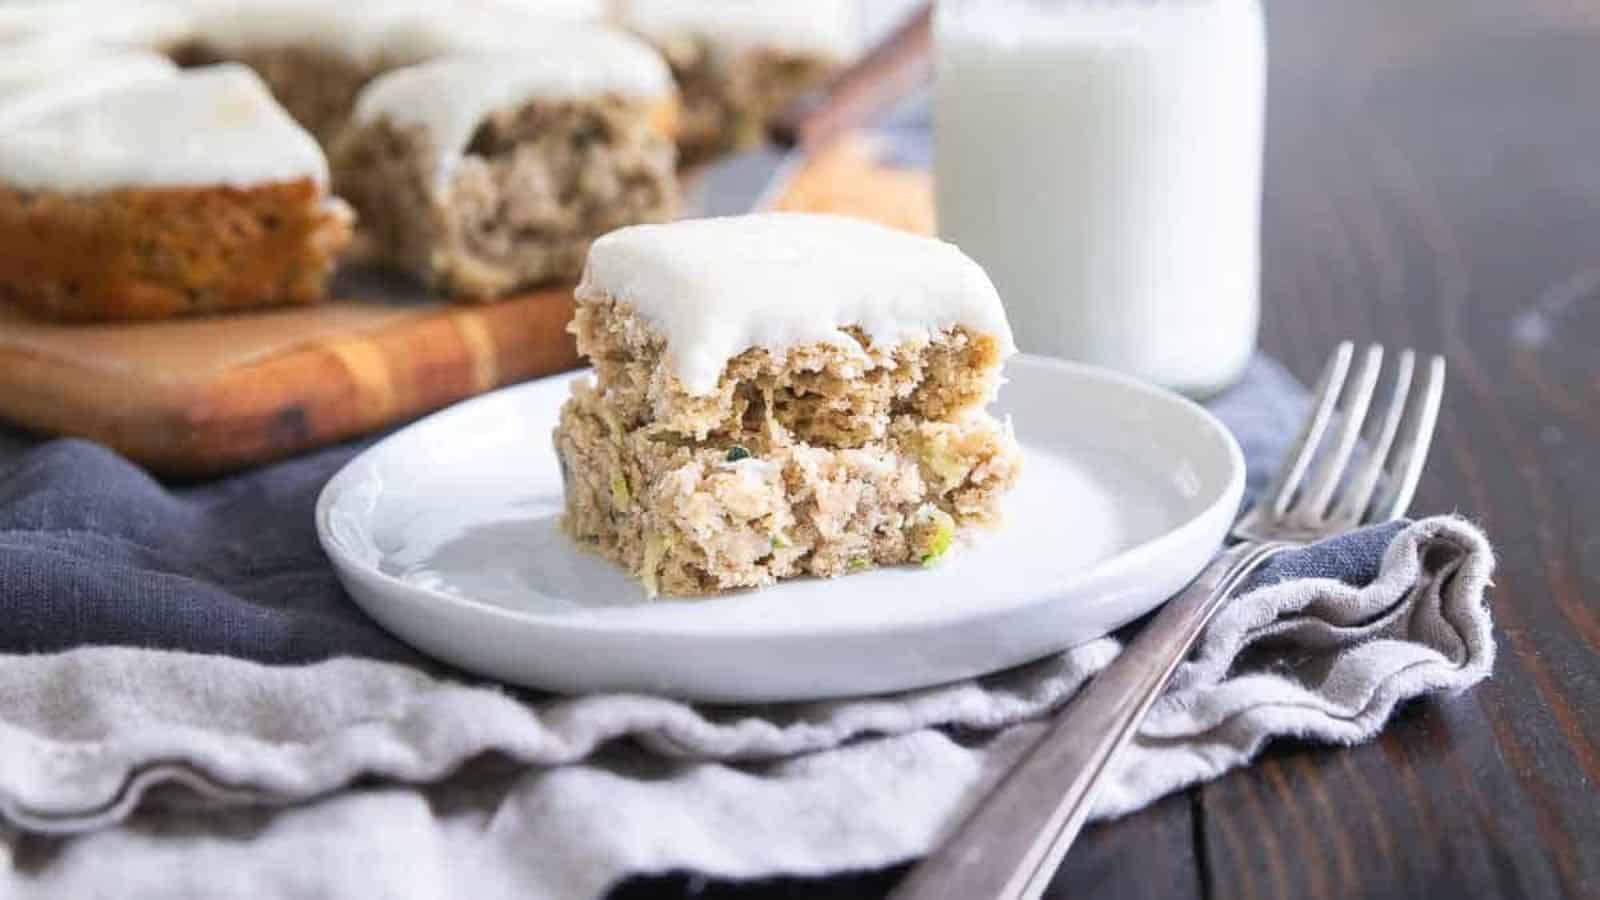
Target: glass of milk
{"points": [[1102, 160]]}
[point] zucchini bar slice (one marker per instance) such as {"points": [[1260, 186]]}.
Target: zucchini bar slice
{"points": [[483, 175], [780, 395]]}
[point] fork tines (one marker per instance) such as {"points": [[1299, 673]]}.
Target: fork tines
{"points": [[1394, 440]]}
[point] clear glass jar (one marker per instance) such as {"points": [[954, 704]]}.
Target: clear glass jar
{"points": [[1102, 160]]}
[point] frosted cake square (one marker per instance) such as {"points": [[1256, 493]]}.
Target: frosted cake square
{"points": [[485, 174], [136, 192], [781, 395], [739, 64]]}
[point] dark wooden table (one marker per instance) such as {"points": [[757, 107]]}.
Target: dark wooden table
{"points": [[1433, 180]]}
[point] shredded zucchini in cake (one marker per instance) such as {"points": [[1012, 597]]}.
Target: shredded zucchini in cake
{"points": [[655, 550], [933, 533]]}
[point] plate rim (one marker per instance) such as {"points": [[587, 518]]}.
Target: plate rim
{"points": [[1225, 503]]}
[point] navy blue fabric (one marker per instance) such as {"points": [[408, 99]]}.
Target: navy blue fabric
{"points": [[95, 551]]}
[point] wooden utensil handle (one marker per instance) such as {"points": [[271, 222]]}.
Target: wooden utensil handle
{"points": [[883, 77]]}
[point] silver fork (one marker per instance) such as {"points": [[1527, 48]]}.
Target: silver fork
{"points": [[1011, 845]]}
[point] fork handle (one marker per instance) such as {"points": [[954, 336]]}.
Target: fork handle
{"points": [[1013, 842]]}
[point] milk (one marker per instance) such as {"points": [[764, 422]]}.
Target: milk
{"points": [[1102, 160]]}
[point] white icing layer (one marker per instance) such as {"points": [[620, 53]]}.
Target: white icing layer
{"points": [[714, 288], [584, 10], [495, 30], [451, 97], [357, 30], [392, 31], [829, 27], [216, 125], [122, 22], [38, 75]]}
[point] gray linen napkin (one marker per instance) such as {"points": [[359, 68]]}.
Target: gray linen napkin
{"points": [[409, 784]]}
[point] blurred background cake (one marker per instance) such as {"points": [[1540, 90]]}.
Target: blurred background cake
{"points": [[491, 141], [192, 192], [484, 174], [739, 64], [317, 56]]}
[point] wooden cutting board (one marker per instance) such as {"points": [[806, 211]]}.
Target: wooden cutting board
{"points": [[193, 398]]}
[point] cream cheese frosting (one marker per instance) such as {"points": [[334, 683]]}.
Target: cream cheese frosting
{"points": [[393, 31], [358, 31], [36, 75], [829, 27], [450, 97], [121, 22], [714, 288], [216, 125], [485, 25]]}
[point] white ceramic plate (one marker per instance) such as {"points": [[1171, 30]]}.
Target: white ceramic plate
{"points": [[448, 534]]}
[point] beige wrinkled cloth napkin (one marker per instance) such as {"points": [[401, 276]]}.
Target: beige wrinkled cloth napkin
{"points": [[184, 767]]}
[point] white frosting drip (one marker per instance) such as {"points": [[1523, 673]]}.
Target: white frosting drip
{"points": [[396, 30], [820, 26], [216, 125], [38, 75], [122, 22], [451, 97], [714, 288]]}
